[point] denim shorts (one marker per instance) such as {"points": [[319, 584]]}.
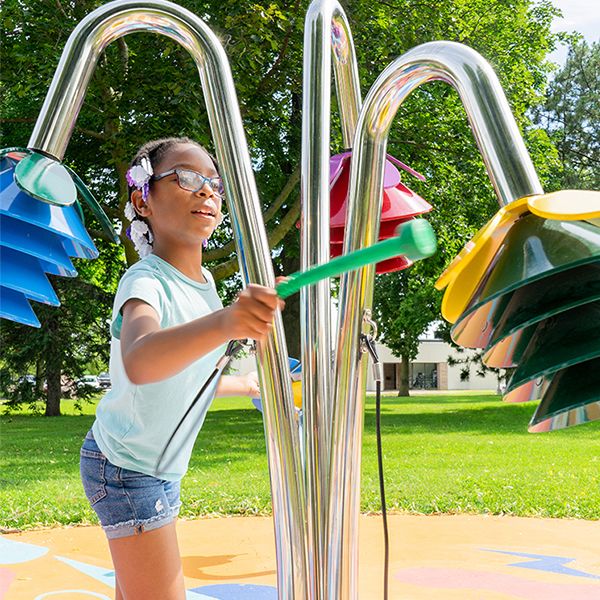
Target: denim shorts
{"points": [[126, 502]]}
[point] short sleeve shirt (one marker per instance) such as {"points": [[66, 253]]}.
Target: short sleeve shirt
{"points": [[134, 422]]}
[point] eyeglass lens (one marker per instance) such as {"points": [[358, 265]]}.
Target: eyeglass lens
{"points": [[192, 181]]}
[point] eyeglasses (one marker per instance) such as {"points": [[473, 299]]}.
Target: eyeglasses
{"points": [[192, 181]]}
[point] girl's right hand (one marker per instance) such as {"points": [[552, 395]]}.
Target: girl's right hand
{"points": [[251, 315]]}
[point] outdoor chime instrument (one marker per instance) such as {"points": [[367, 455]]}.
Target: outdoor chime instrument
{"points": [[525, 288]]}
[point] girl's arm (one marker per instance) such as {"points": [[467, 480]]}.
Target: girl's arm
{"points": [[239, 385], [151, 354]]}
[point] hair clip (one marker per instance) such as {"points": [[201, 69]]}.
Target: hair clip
{"points": [[138, 176]]}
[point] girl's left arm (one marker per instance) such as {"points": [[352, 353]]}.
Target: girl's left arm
{"points": [[240, 385]]}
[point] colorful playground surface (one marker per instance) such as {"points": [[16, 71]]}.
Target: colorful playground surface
{"points": [[450, 557]]}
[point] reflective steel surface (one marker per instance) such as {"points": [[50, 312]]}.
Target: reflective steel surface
{"points": [[327, 36], [533, 250], [316, 504], [558, 342], [532, 390], [45, 179], [473, 264], [536, 302], [494, 321]]}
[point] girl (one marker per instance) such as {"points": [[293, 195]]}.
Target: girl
{"points": [[168, 331]]}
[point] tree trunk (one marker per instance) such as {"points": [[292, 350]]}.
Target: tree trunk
{"points": [[53, 393], [39, 376], [53, 371], [291, 314], [403, 383]]}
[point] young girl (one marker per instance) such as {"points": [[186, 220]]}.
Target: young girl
{"points": [[168, 331]]}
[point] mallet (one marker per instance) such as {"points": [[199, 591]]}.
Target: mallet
{"points": [[414, 239]]}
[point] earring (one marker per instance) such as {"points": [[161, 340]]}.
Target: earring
{"points": [[205, 243]]}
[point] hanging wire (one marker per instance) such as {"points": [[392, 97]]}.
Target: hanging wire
{"points": [[232, 348], [368, 345]]}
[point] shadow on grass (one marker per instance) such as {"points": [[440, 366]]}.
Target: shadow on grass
{"points": [[42, 448], [234, 435]]}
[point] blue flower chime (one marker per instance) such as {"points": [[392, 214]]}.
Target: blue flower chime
{"points": [[42, 227]]}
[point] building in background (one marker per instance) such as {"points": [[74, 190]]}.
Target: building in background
{"points": [[430, 370]]}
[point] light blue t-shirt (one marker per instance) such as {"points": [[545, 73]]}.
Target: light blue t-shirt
{"points": [[134, 422]]}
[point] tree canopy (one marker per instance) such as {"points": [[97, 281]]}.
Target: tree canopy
{"points": [[570, 114], [432, 134], [147, 86]]}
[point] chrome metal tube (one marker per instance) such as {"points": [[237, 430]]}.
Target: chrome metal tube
{"points": [[349, 383], [51, 135], [513, 176], [326, 35]]}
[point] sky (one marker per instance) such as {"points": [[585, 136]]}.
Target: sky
{"points": [[582, 16]]}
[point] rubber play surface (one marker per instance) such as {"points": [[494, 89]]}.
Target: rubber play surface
{"points": [[449, 557]]}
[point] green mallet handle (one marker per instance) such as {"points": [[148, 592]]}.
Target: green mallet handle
{"points": [[414, 239]]}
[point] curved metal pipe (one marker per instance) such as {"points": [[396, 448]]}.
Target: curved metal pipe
{"points": [[326, 35], [51, 136], [513, 176]]}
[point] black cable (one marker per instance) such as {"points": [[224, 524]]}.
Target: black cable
{"points": [[386, 541], [232, 348], [369, 345]]}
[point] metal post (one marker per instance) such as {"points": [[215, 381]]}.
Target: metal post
{"points": [[326, 35]]}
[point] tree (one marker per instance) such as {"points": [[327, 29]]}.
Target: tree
{"points": [[404, 305], [571, 116], [432, 134], [73, 337], [469, 359], [146, 87]]}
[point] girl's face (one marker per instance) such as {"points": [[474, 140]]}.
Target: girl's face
{"points": [[178, 216]]}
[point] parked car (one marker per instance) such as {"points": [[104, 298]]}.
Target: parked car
{"points": [[23, 383], [88, 381], [104, 380]]}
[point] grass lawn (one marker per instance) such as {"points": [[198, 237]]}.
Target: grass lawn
{"points": [[444, 453]]}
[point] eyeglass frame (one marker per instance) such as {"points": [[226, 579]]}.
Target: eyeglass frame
{"points": [[204, 179]]}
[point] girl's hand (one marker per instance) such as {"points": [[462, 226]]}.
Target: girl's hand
{"points": [[253, 385], [251, 315]]}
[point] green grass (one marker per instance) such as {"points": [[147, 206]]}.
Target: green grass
{"points": [[443, 453]]}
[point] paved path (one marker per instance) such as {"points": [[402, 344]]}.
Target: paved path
{"points": [[441, 557]]}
